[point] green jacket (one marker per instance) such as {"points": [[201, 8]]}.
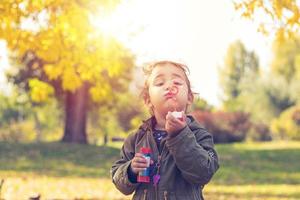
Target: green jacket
{"points": [[188, 162]]}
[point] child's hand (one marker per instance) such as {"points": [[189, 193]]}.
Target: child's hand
{"points": [[138, 163], [173, 124]]}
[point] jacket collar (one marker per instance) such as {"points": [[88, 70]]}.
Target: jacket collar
{"points": [[148, 124]]}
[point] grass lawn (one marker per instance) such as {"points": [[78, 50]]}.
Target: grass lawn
{"points": [[70, 171]]}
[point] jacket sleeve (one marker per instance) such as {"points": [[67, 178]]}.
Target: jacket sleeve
{"points": [[194, 154], [120, 167]]}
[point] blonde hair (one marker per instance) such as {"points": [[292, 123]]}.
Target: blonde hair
{"points": [[148, 71]]}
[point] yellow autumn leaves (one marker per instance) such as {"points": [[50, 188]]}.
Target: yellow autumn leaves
{"points": [[61, 34], [282, 16], [40, 91]]}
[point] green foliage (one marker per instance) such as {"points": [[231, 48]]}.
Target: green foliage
{"points": [[48, 119], [238, 64], [130, 108], [14, 110], [117, 118], [286, 60], [265, 97], [13, 107], [22, 131], [24, 121], [201, 104], [103, 123], [287, 126]]}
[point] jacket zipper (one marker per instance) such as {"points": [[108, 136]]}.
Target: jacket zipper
{"points": [[158, 172], [158, 161], [145, 194], [158, 169]]}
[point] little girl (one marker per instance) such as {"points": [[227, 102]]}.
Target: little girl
{"points": [[183, 158]]}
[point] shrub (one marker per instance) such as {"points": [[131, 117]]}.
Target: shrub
{"points": [[23, 131], [225, 127], [259, 132], [287, 126]]}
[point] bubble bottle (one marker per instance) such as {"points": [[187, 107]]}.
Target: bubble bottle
{"points": [[144, 176]]}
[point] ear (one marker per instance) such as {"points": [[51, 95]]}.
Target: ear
{"points": [[149, 105], [190, 98], [147, 101]]}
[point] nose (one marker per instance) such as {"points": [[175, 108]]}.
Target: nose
{"points": [[169, 85]]}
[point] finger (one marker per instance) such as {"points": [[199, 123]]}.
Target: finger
{"points": [[173, 121], [139, 170], [139, 160], [139, 155], [139, 165], [181, 120]]}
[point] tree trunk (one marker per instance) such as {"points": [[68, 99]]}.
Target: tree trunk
{"points": [[76, 115], [105, 139], [38, 126]]}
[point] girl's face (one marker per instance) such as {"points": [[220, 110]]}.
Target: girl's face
{"points": [[168, 90]]}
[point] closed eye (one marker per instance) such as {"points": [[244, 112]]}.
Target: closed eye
{"points": [[178, 83], [159, 84]]}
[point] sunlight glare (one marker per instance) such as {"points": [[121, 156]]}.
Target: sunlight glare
{"points": [[121, 24]]}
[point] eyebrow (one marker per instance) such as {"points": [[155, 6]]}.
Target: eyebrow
{"points": [[173, 74]]}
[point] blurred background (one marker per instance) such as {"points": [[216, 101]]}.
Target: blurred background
{"points": [[71, 73]]}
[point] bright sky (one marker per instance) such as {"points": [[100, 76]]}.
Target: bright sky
{"points": [[195, 32]]}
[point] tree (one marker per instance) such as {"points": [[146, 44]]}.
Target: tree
{"points": [[239, 63], [281, 17], [57, 40], [20, 121], [265, 97], [286, 59]]}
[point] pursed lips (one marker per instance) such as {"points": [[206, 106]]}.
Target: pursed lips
{"points": [[169, 95]]}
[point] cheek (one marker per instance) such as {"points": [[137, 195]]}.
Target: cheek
{"points": [[184, 92], [153, 93]]}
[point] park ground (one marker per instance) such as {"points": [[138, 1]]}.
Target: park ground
{"points": [[70, 171]]}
